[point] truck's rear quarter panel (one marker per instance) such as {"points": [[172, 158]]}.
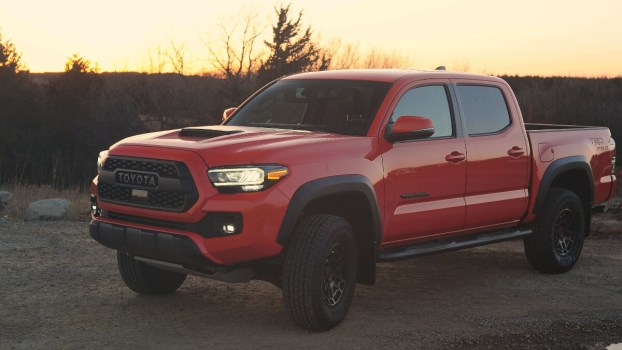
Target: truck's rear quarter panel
{"points": [[551, 143]]}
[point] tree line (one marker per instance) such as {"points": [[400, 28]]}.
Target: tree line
{"points": [[53, 125]]}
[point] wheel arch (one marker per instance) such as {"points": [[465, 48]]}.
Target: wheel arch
{"points": [[574, 174], [349, 196]]}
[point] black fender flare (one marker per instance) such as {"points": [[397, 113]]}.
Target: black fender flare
{"points": [[558, 167], [326, 186]]}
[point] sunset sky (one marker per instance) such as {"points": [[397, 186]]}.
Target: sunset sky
{"points": [[528, 37]]}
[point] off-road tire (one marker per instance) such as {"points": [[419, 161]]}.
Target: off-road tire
{"points": [[146, 279], [559, 231], [317, 288]]}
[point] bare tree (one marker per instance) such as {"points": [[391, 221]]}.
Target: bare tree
{"points": [[461, 66], [235, 56], [352, 56], [177, 57], [343, 55], [157, 60], [377, 58]]}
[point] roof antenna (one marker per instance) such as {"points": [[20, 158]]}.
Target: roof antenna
{"points": [[441, 68]]}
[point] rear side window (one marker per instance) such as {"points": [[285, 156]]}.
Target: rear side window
{"points": [[485, 110], [430, 102]]}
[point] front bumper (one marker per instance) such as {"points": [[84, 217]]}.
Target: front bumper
{"points": [[151, 244]]}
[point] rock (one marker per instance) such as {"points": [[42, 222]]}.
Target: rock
{"points": [[5, 197], [608, 225], [48, 209], [614, 206], [611, 226]]}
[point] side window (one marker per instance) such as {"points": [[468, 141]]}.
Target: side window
{"points": [[430, 102], [485, 111]]}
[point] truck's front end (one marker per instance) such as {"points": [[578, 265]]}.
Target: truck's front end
{"points": [[159, 203]]}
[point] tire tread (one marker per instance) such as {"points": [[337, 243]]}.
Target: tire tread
{"points": [[299, 272], [538, 246]]}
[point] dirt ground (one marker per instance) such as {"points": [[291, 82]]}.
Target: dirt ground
{"points": [[60, 289]]}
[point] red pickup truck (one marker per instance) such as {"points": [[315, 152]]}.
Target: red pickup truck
{"points": [[319, 176]]}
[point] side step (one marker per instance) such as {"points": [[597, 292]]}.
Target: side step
{"points": [[452, 243]]}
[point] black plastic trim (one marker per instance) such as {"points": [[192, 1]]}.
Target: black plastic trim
{"points": [[558, 167], [537, 127], [316, 189], [151, 244], [206, 133]]}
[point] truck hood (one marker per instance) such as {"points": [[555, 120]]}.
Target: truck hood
{"points": [[231, 145]]}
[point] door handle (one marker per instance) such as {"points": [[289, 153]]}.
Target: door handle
{"points": [[516, 151], [455, 157]]}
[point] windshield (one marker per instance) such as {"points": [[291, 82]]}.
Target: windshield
{"points": [[338, 106]]}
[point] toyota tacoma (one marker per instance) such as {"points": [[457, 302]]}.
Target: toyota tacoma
{"points": [[317, 177]]}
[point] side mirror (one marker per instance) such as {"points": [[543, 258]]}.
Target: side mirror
{"points": [[410, 128], [227, 113]]}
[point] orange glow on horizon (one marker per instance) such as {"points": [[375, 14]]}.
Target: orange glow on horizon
{"points": [[562, 38]]}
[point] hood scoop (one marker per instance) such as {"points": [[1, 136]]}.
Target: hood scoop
{"points": [[206, 133]]}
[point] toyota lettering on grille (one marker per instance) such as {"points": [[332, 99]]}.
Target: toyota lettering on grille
{"points": [[132, 178]]}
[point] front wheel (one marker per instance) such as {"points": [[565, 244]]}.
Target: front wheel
{"points": [[146, 279], [559, 229], [319, 274]]}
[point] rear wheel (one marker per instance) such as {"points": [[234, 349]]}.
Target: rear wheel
{"points": [[146, 279], [319, 274], [559, 229]]}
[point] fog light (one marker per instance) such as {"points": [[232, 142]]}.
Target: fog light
{"points": [[230, 229], [220, 224], [94, 207]]}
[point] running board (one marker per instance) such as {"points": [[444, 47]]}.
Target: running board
{"points": [[453, 243]]}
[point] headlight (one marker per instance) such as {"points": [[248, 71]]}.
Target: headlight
{"points": [[100, 160], [246, 178]]}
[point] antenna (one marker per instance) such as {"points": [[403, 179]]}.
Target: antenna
{"points": [[441, 68]]}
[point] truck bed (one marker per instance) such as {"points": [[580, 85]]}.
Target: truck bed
{"points": [[551, 142]]}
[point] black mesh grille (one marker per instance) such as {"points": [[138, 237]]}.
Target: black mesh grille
{"points": [[162, 169], [169, 200], [176, 196], [166, 199], [114, 193]]}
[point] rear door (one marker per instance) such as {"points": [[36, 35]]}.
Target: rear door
{"points": [[425, 179], [497, 175]]}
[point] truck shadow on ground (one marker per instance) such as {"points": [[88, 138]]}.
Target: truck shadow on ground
{"points": [[442, 285]]}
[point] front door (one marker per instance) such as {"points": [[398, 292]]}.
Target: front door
{"points": [[425, 179]]}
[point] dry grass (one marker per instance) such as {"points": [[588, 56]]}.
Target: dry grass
{"points": [[23, 195]]}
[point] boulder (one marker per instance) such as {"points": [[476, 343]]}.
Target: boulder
{"points": [[48, 210], [5, 197]]}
